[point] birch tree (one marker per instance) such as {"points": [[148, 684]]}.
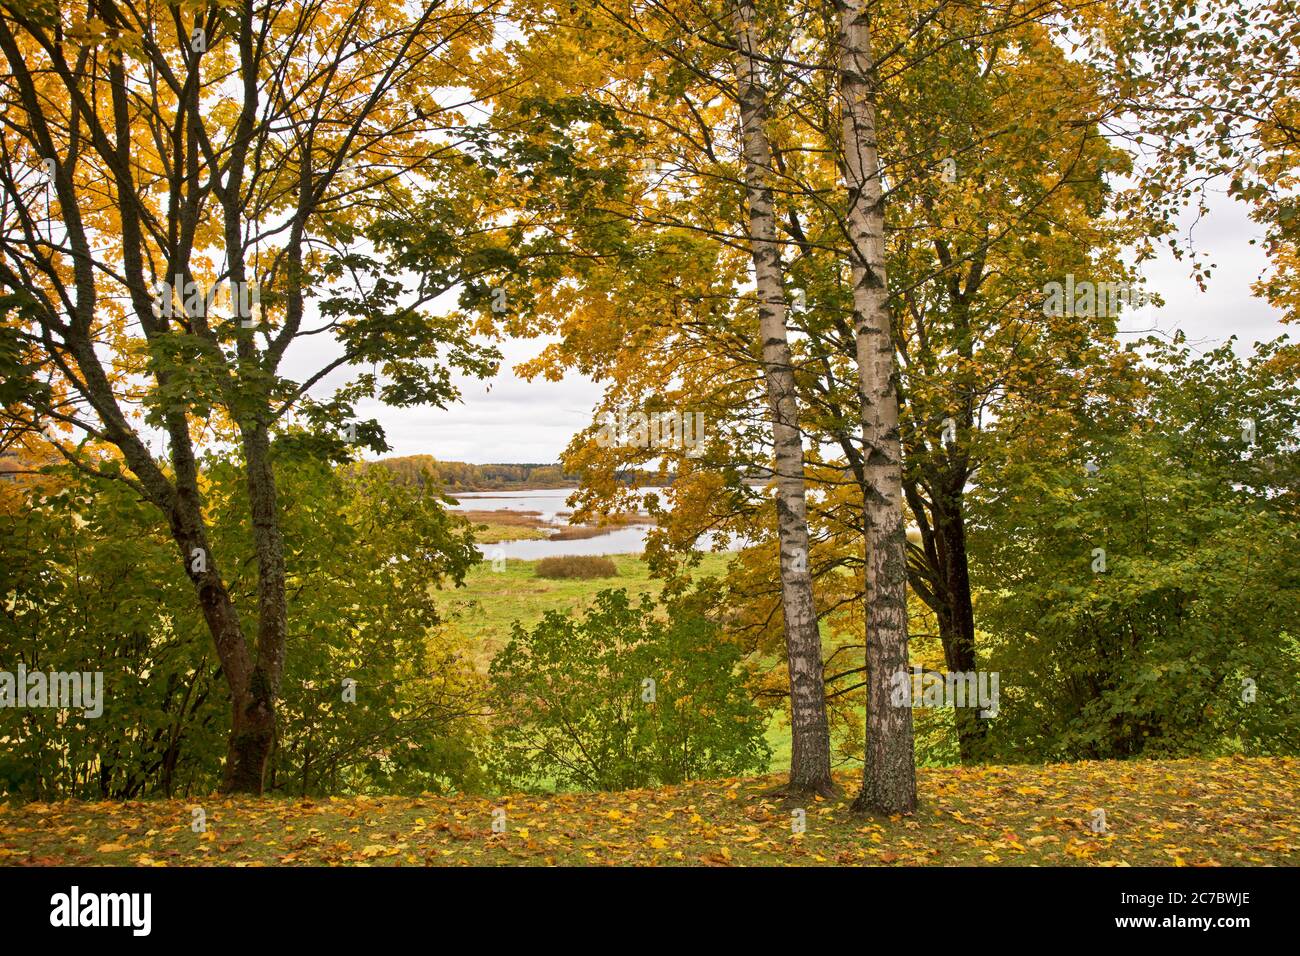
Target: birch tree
{"points": [[889, 771], [810, 743]]}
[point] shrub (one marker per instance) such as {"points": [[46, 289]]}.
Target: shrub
{"points": [[622, 698], [1185, 642], [93, 584], [584, 566]]}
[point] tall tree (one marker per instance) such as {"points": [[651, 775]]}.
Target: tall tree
{"points": [[1028, 199], [1004, 185], [889, 770], [154, 154], [673, 147], [810, 767]]}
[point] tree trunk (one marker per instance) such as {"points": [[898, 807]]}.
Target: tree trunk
{"points": [[956, 616], [810, 766], [252, 693], [252, 736], [253, 730], [889, 770], [942, 578]]}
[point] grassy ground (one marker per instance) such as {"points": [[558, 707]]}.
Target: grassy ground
{"points": [[491, 600], [494, 526], [1187, 812], [485, 608]]}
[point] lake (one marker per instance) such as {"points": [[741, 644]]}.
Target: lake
{"points": [[549, 503]]}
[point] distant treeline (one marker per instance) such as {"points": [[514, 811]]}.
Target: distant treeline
{"points": [[462, 476]]}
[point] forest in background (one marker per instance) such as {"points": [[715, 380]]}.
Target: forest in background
{"points": [[461, 476]]}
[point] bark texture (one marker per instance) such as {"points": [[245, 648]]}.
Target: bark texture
{"points": [[889, 772], [810, 767]]}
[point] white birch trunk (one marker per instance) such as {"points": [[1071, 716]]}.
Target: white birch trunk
{"points": [[810, 770], [889, 772]]}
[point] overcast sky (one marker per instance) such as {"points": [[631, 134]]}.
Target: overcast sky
{"points": [[509, 420]]}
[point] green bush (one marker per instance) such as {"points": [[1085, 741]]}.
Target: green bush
{"points": [[583, 566], [91, 582], [622, 698], [1186, 642]]}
